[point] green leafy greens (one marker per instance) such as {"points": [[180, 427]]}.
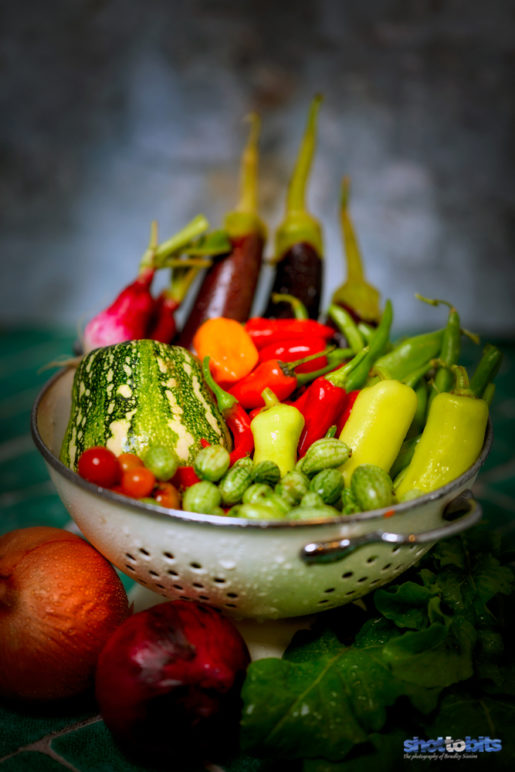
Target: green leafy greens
{"points": [[360, 682]]}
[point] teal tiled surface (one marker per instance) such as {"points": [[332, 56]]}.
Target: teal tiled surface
{"points": [[75, 737]]}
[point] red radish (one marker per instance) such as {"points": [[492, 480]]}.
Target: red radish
{"points": [[128, 316], [168, 682]]}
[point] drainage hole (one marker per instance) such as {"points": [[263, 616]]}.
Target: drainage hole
{"points": [[372, 559], [232, 594], [363, 579], [395, 550], [172, 572], [204, 597], [199, 585], [219, 580], [329, 589], [129, 556], [153, 573], [375, 581], [178, 586], [197, 566], [131, 568], [183, 597], [161, 586], [324, 600], [347, 574], [231, 605], [351, 592], [386, 567], [168, 556], [144, 551]]}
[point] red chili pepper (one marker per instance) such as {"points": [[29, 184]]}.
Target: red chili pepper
{"points": [[266, 331], [290, 350], [349, 404], [278, 376], [323, 402], [238, 421], [321, 405]]}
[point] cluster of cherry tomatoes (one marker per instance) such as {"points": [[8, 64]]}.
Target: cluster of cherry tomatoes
{"points": [[128, 474]]}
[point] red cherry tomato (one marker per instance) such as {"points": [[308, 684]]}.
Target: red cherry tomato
{"points": [[129, 461], [167, 495], [100, 466], [138, 483]]}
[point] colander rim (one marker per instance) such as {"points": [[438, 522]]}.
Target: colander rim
{"points": [[235, 522]]}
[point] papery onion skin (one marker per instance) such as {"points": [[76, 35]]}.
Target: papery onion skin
{"points": [[60, 600]]}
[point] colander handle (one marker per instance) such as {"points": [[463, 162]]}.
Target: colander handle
{"points": [[462, 513]]}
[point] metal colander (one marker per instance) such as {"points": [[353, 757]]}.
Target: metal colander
{"points": [[260, 570]]}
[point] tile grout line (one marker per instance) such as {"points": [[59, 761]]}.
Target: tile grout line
{"points": [[44, 744]]}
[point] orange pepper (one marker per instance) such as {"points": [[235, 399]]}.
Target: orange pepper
{"points": [[230, 348]]}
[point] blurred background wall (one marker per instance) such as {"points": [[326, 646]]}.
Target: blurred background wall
{"points": [[115, 112]]}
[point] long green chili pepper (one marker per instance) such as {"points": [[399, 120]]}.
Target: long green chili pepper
{"points": [[377, 345], [486, 370], [366, 330], [449, 351], [408, 355], [347, 326], [419, 419]]}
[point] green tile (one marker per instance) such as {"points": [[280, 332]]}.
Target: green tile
{"points": [[44, 507], [24, 724]]}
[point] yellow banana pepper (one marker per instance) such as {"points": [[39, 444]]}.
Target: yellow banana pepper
{"points": [[378, 424]]}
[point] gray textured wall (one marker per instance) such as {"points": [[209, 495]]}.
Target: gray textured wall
{"points": [[115, 113]]}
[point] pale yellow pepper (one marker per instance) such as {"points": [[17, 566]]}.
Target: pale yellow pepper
{"points": [[378, 424], [276, 430]]}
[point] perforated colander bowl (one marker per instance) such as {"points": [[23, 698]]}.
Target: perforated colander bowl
{"points": [[261, 570]]}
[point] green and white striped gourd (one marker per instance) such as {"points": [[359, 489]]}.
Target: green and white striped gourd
{"points": [[139, 393]]}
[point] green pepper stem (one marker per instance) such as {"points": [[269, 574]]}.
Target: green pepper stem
{"points": [[288, 368], [356, 292], [244, 218], [180, 240], [298, 308], [339, 377], [298, 225], [346, 324], [462, 383], [269, 398], [434, 301], [334, 358], [224, 400]]}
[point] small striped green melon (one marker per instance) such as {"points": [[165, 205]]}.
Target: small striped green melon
{"points": [[139, 393]]}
